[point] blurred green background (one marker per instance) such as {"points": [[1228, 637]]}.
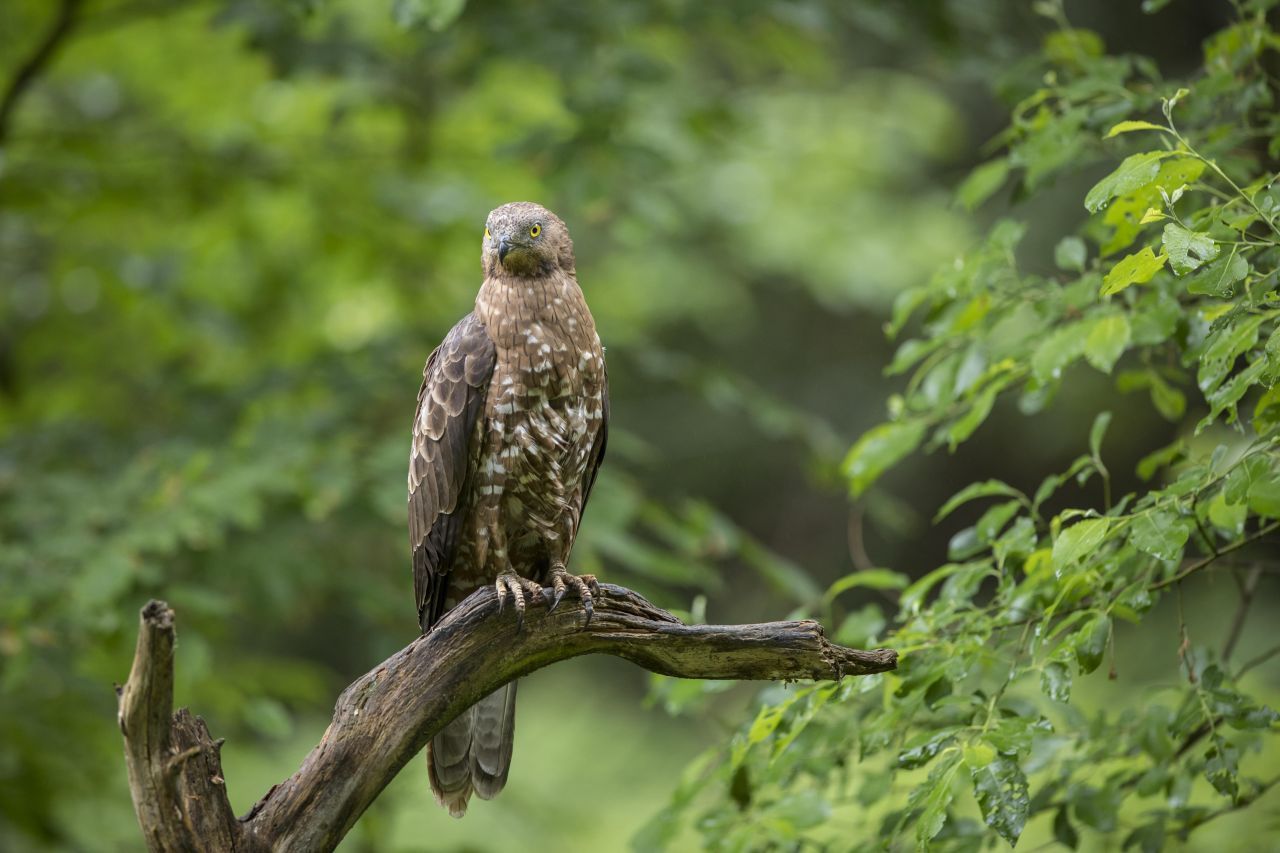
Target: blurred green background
{"points": [[232, 230]]}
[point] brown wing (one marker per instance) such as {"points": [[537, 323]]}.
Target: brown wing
{"points": [[450, 407], [597, 447]]}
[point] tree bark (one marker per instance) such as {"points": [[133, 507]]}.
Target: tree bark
{"points": [[388, 715]]}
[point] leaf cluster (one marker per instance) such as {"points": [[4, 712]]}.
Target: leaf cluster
{"points": [[1169, 289]]}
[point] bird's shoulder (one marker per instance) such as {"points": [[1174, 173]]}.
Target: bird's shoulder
{"points": [[465, 355]]}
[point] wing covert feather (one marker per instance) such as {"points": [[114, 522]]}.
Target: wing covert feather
{"points": [[601, 442], [450, 405]]}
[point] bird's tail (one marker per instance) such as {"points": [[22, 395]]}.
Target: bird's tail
{"points": [[473, 753]]}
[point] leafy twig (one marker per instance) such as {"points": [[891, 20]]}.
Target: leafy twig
{"points": [[1204, 563]]}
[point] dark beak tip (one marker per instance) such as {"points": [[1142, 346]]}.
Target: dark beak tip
{"points": [[504, 247]]}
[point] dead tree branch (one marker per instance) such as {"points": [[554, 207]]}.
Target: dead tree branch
{"points": [[387, 716]]}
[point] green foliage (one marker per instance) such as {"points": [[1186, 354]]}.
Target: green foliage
{"points": [[1170, 286], [230, 234]]}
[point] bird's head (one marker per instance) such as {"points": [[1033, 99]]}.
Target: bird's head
{"points": [[525, 239]]}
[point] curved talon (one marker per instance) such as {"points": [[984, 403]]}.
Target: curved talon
{"points": [[516, 587], [513, 585], [557, 582], [582, 585]]}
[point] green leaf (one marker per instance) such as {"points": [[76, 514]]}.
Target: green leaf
{"points": [[1187, 250], [982, 182], [1000, 788], [1264, 495], [1065, 46], [1229, 393], [964, 426], [1070, 254], [912, 597], [1057, 351], [1160, 533], [1137, 268], [791, 813], [937, 801], [1155, 460], [869, 579], [1124, 215], [1135, 172], [973, 491], [1012, 734], [1227, 516], [1169, 401], [1091, 642], [1018, 541], [1063, 830], [762, 727], [1248, 471], [1078, 540], [1095, 807], [1107, 341], [1221, 768], [860, 626], [988, 527], [1130, 126], [904, 305], [1266, 414], [1220, 277], [1223, 345], [1052, 141], [1154, 318], [924, 747], [1055, 681], [1148, 838], [878, 450], [1097, 432]]}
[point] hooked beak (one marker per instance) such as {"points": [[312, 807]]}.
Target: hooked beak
{"points": [[504, 247]]}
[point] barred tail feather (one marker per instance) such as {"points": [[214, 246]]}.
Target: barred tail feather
{"points": [[491, 737], [473, 753], [449, 764]]}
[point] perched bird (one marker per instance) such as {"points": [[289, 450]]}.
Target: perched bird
{"points": [[510, 430]]}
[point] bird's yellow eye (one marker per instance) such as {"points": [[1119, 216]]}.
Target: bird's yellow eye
{"points": [[486, 233], [535, 230]]}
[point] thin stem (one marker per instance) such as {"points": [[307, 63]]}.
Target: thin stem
{"points": [[1257, 661], [1200, 565], [1247, 588], [1218, 170]]}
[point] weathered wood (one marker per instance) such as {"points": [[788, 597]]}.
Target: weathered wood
{"points": [[387, 716], [175, 772]]}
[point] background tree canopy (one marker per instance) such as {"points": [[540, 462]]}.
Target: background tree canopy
{"points": [[232, 230]]}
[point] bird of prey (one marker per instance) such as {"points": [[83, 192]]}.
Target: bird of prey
{"points": [[509, 433]]}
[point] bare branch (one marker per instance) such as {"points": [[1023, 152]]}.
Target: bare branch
{"points": [[175, 772], [387, 716], [1248, 586]]}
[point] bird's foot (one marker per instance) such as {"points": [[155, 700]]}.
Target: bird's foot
{"points": [[582, 585], [513, 585]]}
